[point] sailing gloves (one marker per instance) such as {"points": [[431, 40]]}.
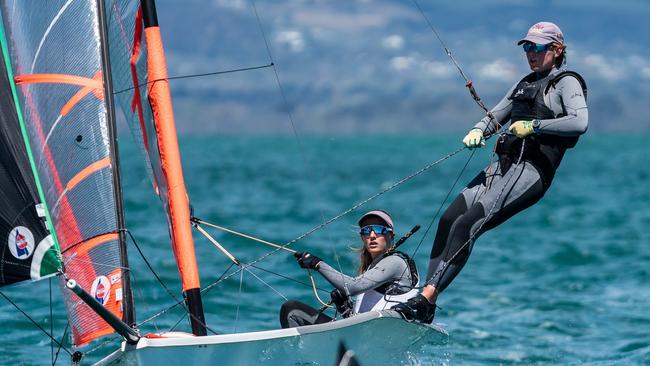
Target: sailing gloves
{"points": [[474, 138], [342, 301], [417, 308], [306, 260], [523, 129]]}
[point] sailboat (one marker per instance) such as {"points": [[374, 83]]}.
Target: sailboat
{"points": [[66, 65]]}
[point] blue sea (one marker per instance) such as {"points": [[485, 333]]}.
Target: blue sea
{"points": [[565, 282]]}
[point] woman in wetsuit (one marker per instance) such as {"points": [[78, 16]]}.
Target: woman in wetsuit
{"points": [[386, 277], [547, 111]]}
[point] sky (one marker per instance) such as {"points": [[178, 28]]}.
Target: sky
{"points": [[375, 65]]}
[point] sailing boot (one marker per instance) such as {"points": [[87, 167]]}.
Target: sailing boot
{"points": [[417, 308]]}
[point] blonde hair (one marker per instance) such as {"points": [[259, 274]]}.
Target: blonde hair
{"points": [[365, 259]]}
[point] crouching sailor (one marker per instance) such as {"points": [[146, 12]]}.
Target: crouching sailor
{"points": [[386, 277]]}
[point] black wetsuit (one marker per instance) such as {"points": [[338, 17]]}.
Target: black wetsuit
{"points": [[519, 178]]}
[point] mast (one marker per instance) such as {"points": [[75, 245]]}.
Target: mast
{"points": [[129, 307], [179, 208]]}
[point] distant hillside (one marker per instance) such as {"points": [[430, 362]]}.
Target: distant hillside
{"points": [[375, 65]]}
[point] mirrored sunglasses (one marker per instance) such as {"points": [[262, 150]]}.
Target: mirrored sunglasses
{"points": [[378, 229], [535, 47]]}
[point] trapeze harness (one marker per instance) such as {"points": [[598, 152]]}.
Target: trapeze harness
{"points": [[390, 293]]}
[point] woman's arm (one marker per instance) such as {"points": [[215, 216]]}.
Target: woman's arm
{"points": [[391, 268], [575, 121]]}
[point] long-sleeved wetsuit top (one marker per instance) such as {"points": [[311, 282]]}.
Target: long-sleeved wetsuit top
{"points": [[565, 99], [390, 269]]}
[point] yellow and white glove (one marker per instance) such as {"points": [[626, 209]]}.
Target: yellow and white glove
{"points": [[522, 129], [474, 138]]}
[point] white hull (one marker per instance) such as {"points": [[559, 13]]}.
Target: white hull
{"points": [[377, 337]]}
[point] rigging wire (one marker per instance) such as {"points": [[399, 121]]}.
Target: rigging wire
{"points": [[188, 76], [163, 284], [435, 216], [65, 333], [301, 147], [172, 306], [288, 278], [34, 322], [51, 322], [468, 83], [241, 284], [354, 207]]}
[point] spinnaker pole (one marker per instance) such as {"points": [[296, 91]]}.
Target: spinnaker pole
{"points": [[129, 308], [179, 208]]}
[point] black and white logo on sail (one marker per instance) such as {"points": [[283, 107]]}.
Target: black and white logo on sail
{"points": [[21, 242]]}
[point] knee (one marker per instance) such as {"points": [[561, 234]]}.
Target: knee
{"points": [[457, 209], [465, 223]]}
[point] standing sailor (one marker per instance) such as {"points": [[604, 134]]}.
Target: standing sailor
{"points": [[386, 277], [548, 112]]}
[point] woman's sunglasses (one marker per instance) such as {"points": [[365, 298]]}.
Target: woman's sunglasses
{"points": [[378, 229], [535, 47]]}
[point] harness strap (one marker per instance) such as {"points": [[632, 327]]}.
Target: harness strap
{"points": [[564, 74]]}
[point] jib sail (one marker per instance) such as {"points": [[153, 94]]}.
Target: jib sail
{"points": [[59, 66], [28, 251]]}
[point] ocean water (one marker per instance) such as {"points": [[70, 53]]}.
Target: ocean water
{"points": [[565, 282]]}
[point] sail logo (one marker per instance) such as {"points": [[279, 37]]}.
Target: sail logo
{"points": [[101, 289], [21, 242]]}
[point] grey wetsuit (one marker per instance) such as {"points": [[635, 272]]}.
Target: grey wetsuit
{"points": [[523, 172], [391, 275], [392, 269]]}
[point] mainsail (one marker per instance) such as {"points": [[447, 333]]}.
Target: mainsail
{"points": [[59, 66], [27, 251]]}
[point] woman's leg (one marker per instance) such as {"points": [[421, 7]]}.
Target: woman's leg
{"points": [[295, 314], [459, 207], [519, 188], [490, 199]]}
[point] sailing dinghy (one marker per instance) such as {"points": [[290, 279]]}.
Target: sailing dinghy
{"points": [[66, 65]]}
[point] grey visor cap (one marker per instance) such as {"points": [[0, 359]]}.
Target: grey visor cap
{"points": [[381, 214]]}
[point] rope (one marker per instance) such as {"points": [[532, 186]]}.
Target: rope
{"points": [[313, 284], [34, 322]]}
